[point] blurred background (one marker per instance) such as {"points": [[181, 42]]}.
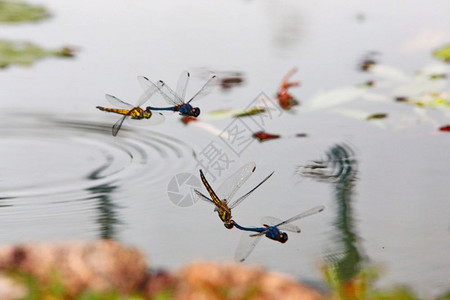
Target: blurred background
{"points": [[373, 103]]}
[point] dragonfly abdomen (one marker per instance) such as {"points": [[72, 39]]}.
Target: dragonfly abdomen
{"points": [[114, 110]]}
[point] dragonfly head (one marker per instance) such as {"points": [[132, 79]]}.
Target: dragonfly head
{"points": [[282, 237], [195, 111], [147, 114], [229, 225]]}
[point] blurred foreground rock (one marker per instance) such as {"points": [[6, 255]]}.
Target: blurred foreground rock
{"points": [[103, 265], [97, 265], [208, 280]]}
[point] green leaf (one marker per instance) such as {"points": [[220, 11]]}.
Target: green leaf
{"points": [[18, 12]]}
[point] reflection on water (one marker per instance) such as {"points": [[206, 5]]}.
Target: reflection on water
{"points": [[340, 169], [107, 215], [58, 172]]}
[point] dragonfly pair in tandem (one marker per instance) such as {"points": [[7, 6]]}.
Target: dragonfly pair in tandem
{"points": [[271, 226], [176, 99]]}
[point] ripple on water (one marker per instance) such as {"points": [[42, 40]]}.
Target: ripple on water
{"points": [[48, 162]]}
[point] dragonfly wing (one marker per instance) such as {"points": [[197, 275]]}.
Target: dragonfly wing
{"points": [[116, 102], [168, 94], [149, 89], [230, 186], [309, 212], [207, 87], [117, 125], [182, 84], [271, 221], [203, 197], [242, 198], [246, 245]]}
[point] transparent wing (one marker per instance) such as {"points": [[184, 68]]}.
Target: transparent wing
{"points": [[271, 221], [207, 87], [203, 197], [117, 125], [149, 89], [309, 212], [182, 84], [116, 102], [242, 198], [230, 186], [168, 94], [246, 245]]}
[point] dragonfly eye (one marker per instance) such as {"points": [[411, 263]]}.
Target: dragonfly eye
{"points": [[283, 237], [195, 111]]}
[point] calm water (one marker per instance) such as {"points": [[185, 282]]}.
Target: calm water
{"points": [[63, 176]]}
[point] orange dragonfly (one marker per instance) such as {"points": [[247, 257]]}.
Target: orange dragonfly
{"points": [[285, 99], [134, 112], [221, 199]]}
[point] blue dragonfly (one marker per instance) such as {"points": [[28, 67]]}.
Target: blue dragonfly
{"points": [[272, 230], [222, 197], [177, 99]]}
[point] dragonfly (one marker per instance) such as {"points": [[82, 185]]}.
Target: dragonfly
{"points": [[177, 99], [222, 197], [272, 229], [134, 112]]}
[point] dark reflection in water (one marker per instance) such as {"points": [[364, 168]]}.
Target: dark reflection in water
{"points": [[107, 214], [340, 168]]}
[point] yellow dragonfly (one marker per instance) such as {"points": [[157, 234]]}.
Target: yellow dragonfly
{"points": [[134, 112], [221, 199]]}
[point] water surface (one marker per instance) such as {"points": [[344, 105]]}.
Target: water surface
{"points": [[63, 176]]}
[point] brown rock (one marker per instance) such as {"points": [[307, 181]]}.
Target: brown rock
{"points": [[232, 281], [97, 265]]}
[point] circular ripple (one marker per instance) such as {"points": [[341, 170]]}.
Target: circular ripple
{"points": [[47, 155]]}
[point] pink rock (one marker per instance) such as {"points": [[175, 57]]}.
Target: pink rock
{"points": [[206, 280], [97, 265]]}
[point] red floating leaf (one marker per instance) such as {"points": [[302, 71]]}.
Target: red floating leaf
{"points": [[263, 136], [285, 99]]}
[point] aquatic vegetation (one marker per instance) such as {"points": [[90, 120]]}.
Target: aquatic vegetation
{"points": [[26, 53], [285, 99], [19, 12], [177, 99], [368, 62], [226, 80], [361, 286], [428, 100], [377, 116], [443, 53], [262, 136], [229, 82], [251, 112]]}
